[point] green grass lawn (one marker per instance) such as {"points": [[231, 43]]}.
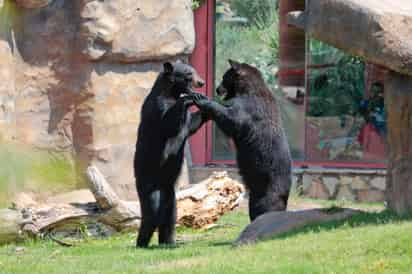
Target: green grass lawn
{"points": [[368, 243]]}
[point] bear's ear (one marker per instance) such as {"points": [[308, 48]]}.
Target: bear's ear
{"points": [[167, 67], [235, 65]]}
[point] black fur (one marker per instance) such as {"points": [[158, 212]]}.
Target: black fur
{"points": [[165, 126], [250, 115]]}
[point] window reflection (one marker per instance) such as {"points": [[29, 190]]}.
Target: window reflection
{"points": [[248, 31], [346, 118], [340, 118]]}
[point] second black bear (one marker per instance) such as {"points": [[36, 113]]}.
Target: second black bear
{"points": [[165, 125], [251, 117]]}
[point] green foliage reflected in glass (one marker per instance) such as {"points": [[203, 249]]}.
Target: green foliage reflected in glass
{"points": [[197, 4], [337, 89], [256, 11]]}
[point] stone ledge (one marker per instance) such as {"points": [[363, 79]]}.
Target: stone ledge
{"points": [[362, 185], [204, 171], [346, 171]]}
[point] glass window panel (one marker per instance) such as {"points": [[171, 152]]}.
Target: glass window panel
{"points": [[346, 120], [248, 31]]}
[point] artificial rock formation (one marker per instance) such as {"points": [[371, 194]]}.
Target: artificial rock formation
{"points": [[136, 31], [74, 75], [379, 30]]}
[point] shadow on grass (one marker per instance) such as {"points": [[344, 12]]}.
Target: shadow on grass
{"points": [[357, 220], [221, 243], [155, 247]]}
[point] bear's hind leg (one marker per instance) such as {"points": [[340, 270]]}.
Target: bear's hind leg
{"points": [[257, 205], [278, 194], [150, 214], [266, 203], [273, 198], [167, 226]]}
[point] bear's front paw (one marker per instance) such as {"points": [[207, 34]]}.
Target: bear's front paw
{"points": [[200, 99], [200, 96], [187, 100]]}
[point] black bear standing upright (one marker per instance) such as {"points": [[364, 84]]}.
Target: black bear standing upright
{"points": [[251, 116], [165, 125]]}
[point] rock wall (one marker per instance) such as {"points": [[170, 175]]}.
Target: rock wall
{"points": [[356, 185], [7, 67], [342, 184], [74, 74]]}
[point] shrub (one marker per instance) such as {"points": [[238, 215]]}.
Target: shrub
{"points": [[256, 11], [337, 91]]}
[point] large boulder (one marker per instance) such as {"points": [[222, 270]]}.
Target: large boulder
{"points": [[118, 94], [135, 31], [74, 75], [378, 30]]}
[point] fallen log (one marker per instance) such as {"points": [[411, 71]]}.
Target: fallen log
{"points": [[199, 206], [275, 223], [10, 225]]}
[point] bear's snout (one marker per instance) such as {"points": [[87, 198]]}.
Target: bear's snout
{"points": [[197, 82], [200, 83], [221, 90]]}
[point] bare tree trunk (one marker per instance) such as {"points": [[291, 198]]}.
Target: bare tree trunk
{"points": [[398, 100]]}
